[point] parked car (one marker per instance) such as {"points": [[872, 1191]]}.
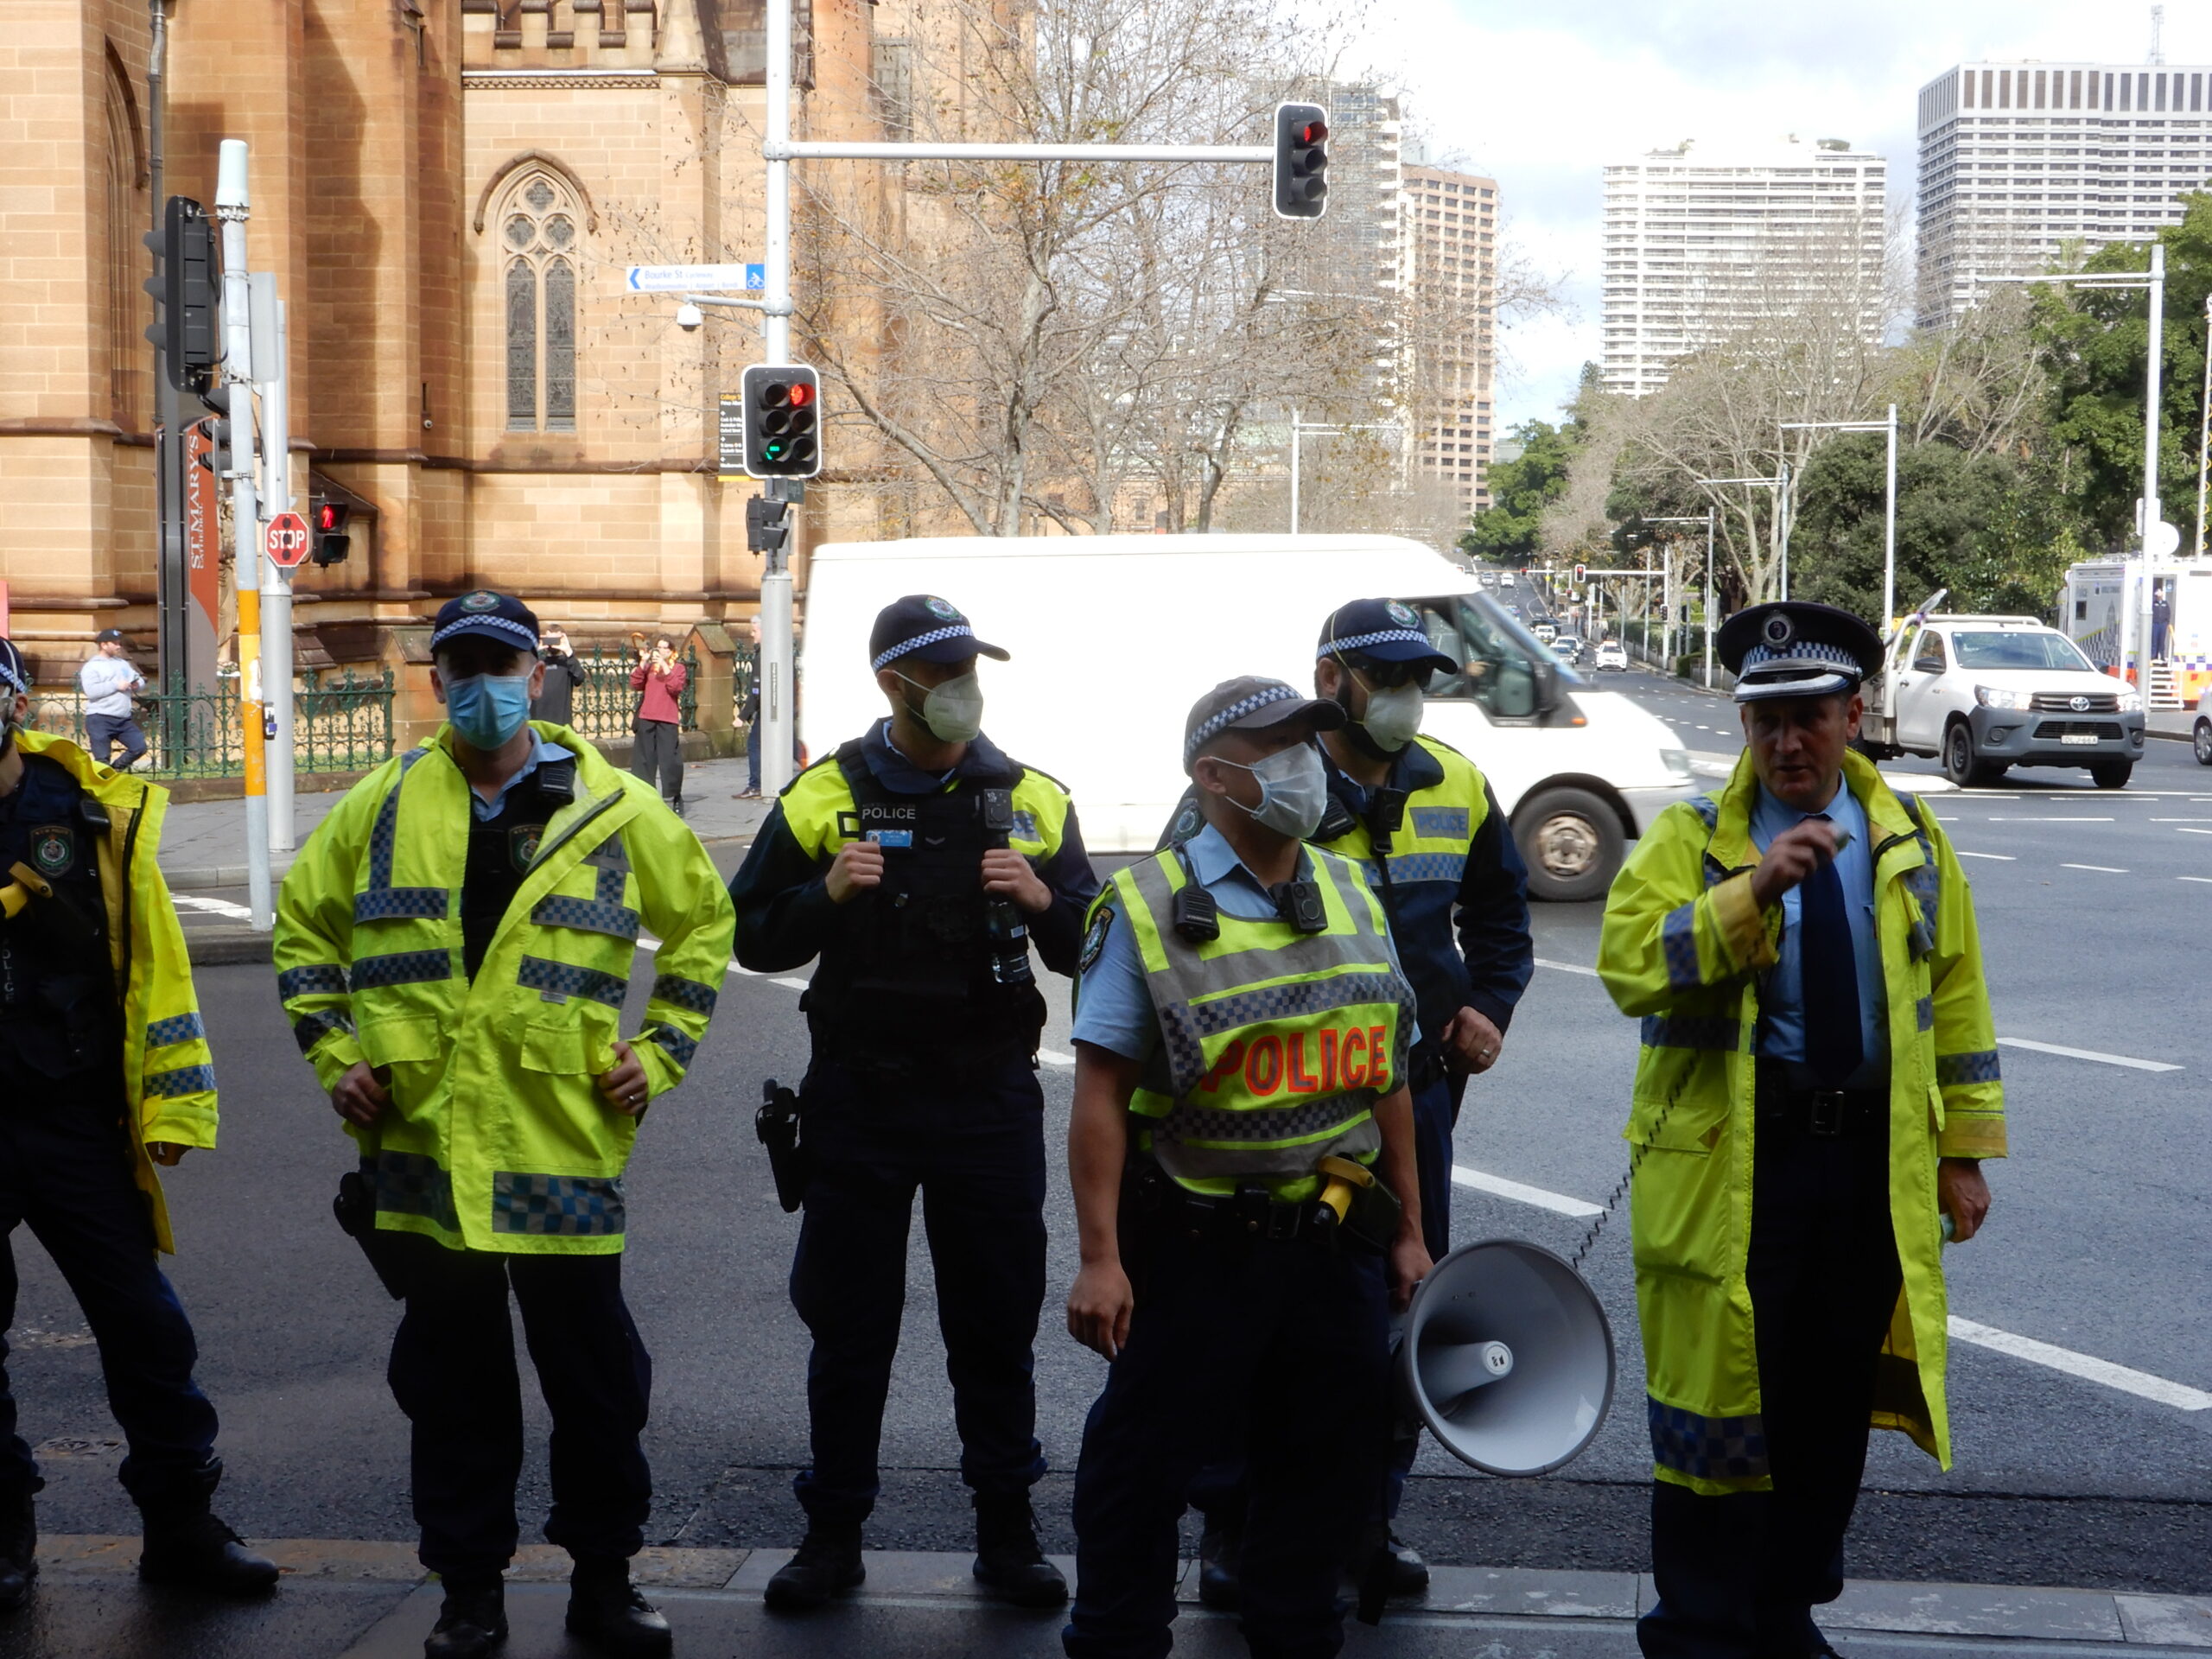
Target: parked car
{"points": [[1987, 693], [2203, 733], [1611, 654]]}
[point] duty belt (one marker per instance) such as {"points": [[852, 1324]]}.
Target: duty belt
{"points": [[1826, 1113], [1250, 1213]]}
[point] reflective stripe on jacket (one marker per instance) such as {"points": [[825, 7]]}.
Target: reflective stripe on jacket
{"points": [[1683, 946], [168, 1076], [497, 1138], [1274, 1044]]}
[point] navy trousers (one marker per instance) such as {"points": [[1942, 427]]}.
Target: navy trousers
{"points": [[974, 1148], [104, 731], [1738, 1577], [1280, 1350], [65, 1171], [453, 1372]]}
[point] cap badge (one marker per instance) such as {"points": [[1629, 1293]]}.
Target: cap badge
{"points": [[1778, 630], [941, 609], [1402, 614], [479, 601]]}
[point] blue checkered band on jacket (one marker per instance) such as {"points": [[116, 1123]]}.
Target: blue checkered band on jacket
{"points": [[1978, 1067], [322, 979], [686, 993], [957, 631], [185, 1080], [1678, 946], [403, 967], [1221, 722], [585, 915], [1711, 1448], [1690, 1031], [412, 1183], [1387, 636], [311, 1029], [506, 624], [673, 1043], [569, 1206], [1798, 653], [178, 1028], [566, 979]]}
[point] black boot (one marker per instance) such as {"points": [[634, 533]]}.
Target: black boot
{"points": [[828, 1565], [18, 1549], [1008, 1561], [1221, 1562], [607, 1613], [1409, 1574], [191, 1548], [473, 1622]]}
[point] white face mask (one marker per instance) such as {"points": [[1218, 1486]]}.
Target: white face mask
{"points": [[1393, 714], [953, 711], [1293, 790]]}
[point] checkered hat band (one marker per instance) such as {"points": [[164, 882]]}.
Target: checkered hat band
{"points": [[10, 675], [957, 631], [504, 625], [1797, 655], [1221, 722], [1387, 637]]}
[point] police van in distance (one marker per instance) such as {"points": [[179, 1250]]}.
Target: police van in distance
{"points": [[1115, 637]]}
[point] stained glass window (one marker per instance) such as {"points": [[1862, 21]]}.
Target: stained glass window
{"points": [[540, 234], [522, 347]]}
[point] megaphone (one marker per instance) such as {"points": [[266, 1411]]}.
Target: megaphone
{"points": [[1506, 1358]]}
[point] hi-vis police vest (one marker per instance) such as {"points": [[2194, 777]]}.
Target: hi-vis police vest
{"points": [[1275, 1046]]}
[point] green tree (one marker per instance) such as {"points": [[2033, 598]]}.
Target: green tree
{"points": [[1520, 490]]}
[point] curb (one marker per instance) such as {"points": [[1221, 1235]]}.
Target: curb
{"points": [[2015, 1613]]}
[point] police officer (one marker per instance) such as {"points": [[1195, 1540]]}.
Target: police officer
{"points": [[103, 1074], [455, 944], [1243, 1024], [1817, 1048], [917, 863], [1422, 821]]}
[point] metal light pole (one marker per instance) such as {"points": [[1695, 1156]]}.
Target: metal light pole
{"points": [[1293, 472], [1705, 518], [1708, 599], [233, 209], [2205, 438], [1889, 427], [272, 363]]}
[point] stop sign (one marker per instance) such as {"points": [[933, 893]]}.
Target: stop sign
{"points": [[287, 539]]}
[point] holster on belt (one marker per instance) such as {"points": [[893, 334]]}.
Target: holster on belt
{"points": [[778, 1124], [1367, 1211], [355, 1206], [66, 923]]}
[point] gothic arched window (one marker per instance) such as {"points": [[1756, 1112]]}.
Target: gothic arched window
{"points": [[538, 236]]}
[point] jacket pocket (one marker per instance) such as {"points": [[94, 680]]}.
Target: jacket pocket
{"points": [[559, 1049], [401, 1039]]}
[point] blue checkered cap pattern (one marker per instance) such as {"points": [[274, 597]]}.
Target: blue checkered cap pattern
{"points": [[1216, 724], [13, 674], [1383, 637], [907, 647], [524, 637], [1799, 653]]}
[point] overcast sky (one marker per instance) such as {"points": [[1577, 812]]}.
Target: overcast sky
{"points": [[1542, 97]]}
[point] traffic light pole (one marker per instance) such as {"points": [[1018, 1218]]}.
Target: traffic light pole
{"points": [[272, 365]]}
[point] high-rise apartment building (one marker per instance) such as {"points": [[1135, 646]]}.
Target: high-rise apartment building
{"points": [[1702, 244], [2019, 160], [1450, 277]]}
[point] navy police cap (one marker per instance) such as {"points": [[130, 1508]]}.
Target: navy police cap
{"points": [[483, 614], [1793, 648], [923, 626], [1253, 703], [1387, 630]]}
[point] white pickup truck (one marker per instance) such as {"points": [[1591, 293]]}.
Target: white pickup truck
{"points": [[1985, 693]]}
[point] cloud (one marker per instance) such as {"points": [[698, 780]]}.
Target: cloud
{"points": [[1542, 99]]}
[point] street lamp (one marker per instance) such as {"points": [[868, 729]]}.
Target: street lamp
{"points": [[1780, 485], [1667, 602], [1888, 494], [2135, 619]]}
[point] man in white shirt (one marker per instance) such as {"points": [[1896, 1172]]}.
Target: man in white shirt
{"points": [[107, 682]]}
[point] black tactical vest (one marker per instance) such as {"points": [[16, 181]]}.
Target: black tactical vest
{"points": [[907, 982], [58, 1006], [501, 849]]}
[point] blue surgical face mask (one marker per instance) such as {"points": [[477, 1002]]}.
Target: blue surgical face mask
{"points": [[489, 709]]}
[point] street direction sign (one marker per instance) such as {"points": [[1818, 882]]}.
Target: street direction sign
{"points": [[287, 540], [682, 279]]}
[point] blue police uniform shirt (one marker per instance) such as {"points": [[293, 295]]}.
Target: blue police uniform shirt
{"points": [[540, 753], [1781, 1004], [1113, 1007]]}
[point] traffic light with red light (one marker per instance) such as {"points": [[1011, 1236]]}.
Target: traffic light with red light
{"points": [[1301, 160], [331, 540], [783, 420]]}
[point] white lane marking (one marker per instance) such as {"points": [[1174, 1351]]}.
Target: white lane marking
{"points": [[1568, 967], [1498, 1186], [2101, 869], [2206, 879], [213, 906], [2182, 820], [2085, 1054], [790, 984], [2008, 858], [1053, 1057], [2122, 1377], [2186, 831], [2070, 818]]}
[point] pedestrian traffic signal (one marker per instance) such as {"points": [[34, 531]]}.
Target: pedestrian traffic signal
{"points": [[331, 540], [186, 285], [783, 420], [1301, 160], [1581, 574]]}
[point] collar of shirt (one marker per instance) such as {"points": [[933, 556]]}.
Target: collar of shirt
{"points": [[541, 752], [983, 762], [1227, 877], [1411, 769], [1781, 1004], [1771, 816]]}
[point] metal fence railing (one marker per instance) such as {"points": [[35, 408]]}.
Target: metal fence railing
{"points": [[341, 721], [605, 707]]}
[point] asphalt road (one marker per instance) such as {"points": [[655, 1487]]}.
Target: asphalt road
{"points": [[2096, 1247]]}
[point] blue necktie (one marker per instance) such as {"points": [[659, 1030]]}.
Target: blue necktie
{"points": [[1827, 971]]}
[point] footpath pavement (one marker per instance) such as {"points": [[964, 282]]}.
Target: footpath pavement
{"points": [[356, 1601]]}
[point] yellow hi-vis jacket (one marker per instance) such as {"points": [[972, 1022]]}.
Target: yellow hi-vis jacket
{"points": [[497, 1137], [1684, 946], [168, 1078]]}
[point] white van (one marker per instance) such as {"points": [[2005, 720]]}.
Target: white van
{"points": [[1115, 637]]}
